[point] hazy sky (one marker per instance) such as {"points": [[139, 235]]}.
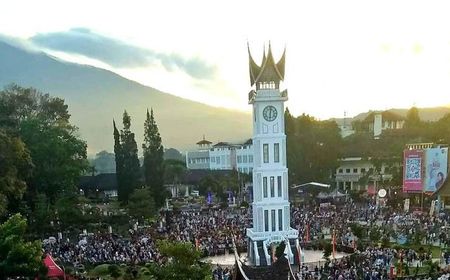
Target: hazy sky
{"points": [[341, 55]]}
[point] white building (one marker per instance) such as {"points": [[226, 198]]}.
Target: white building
{"points": [[221, 156], [199, 159], [352, 169], [377, 122], [271, 208]]}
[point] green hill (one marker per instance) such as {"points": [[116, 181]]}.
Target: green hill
{"points": [[96, 96]]}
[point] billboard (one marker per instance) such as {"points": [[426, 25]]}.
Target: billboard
{"points": [[413, 170], [435, 168]]}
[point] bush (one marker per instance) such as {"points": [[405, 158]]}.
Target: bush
{"points": [[114, 271], [100, 270]]}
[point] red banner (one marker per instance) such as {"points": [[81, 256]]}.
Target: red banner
{"points": [[413, 170]]}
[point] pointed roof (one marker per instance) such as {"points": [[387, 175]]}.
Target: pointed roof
{"points": [[53, 270], [253, 67], [269, 70], [204, 141]]}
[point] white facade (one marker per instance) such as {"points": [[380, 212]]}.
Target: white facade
{"points": [[352, 169], [377, 125], [222, 156]]}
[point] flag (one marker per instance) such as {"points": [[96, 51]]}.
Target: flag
{"points": [[300, 253], [333, 242]]}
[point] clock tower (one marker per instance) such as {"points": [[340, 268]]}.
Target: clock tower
{"points": [[271, 208]]}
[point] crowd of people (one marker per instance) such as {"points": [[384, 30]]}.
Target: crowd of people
{"points": [[211, 230]]}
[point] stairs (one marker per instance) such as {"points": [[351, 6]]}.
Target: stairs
{"points": [[294, 250], [262, 256]]}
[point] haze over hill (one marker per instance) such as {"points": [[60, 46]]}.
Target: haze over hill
{"points": [[426, 114], [96, 96]]}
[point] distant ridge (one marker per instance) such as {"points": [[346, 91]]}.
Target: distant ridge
{"points": [[95, 96], [425, 114]]}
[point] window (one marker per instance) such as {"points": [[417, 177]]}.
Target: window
{"points": [[244, 159], [279, 186], [272, 186], [280, 219], [213, 159], [266, 153], [218, 160], [347, 170], [276, 152], [245, 170], [264, 187], [273, 220], [250, 159], [251, 169], [355, 170], [363, 170], [239, 159], [340, 170], [266, 220]]}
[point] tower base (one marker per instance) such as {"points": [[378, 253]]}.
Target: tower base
{"points": [[259, 243]]}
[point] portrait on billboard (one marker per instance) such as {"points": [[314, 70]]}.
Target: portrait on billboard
{"points": [[435, 168]]}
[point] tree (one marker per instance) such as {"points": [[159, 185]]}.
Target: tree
{"points": [[68, 210], [127, 161], [42, 122], [42, 215], [15, 168], [184, 262], [327, 250], [174, 171], [279, 250], [208, 183], [121, 188], [114, 271], [141, 204], [153, 159], [412, 118], [18, 258], [313, 149]]}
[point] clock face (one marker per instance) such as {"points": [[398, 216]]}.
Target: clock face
{"points": [[270, 113]]}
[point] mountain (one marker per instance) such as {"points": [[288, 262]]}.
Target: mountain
{"points": [[95, 96], [426, 114]]}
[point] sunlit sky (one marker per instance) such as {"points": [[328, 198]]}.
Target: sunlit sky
{"points": [[342, 56]]}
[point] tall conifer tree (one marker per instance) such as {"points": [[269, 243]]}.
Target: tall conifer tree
{"points": [[127, 162], [119, 163], [153, 159]]}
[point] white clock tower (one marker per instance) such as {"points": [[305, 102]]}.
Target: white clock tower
{"points": [[271, 209]]}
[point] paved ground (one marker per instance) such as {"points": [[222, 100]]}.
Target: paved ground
{"points": [[310, 257]]}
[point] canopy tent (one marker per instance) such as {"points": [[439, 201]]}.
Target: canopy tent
{"points": [[334, 194], [311, 184], [54, 271]]}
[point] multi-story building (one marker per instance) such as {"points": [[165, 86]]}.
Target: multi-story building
{"points": [[352, 169], [199, 159], [221, 156], [377, 122]]}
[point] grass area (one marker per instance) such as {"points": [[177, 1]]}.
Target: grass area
{"points": [[435, 250]]}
